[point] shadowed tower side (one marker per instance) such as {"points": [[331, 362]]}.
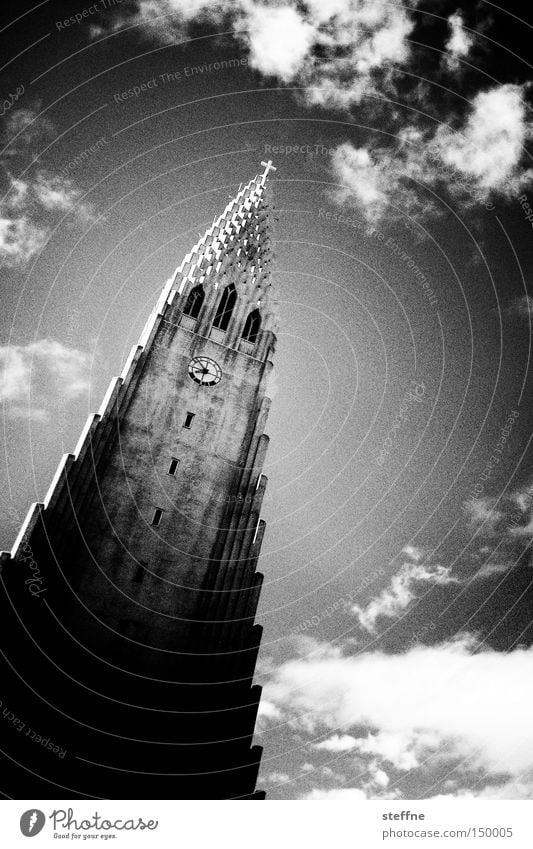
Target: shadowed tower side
{"points": [[135, 651]]}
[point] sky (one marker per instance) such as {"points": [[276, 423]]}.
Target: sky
{"points": [[397, 652]]}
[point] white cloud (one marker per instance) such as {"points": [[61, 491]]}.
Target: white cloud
{"points": [[277, 778], [340, 50], [337, 743], [20, 239], [490, 145], [55, 192], [511, 519], [25, 213], [396, 598], [454, 700], [403, 750], [481, 159], [362, 178], [459, 43], [413, 552], [279, 39], [522, 306], [34, 375], [342, 794], [515, 789], [25, 127], [482, 511], [377, 182]]}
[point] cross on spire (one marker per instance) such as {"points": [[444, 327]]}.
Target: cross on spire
{"points": [[268, 167]]}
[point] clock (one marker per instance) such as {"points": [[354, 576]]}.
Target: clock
{"points": [[204, 371]]}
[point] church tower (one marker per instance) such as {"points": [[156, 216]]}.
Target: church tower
{"points": [[130, 594]]}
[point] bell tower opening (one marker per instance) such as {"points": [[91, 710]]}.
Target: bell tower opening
{"points": [[225, 307], [194, 302], [252, 327]]}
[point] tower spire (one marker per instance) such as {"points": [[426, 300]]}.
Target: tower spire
{"points": [[145, 549], [236, 217]]}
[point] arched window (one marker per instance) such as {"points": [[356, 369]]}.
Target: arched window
{"points": [[251, 327], [225, 307], [194, 302]]}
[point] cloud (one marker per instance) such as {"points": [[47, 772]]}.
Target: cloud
{"points": [[413, 552], [54, 192], [481, 159], [30, 204], [378, 182], [342, 794], [508, 517], [522, 307], [482, 511], [20, 240], [515, 789], [34, 376], [26, 209], [459, 43], [463, 705], [339, 50], [396, 598], [279, 39], [402, 750], [276, 778], [337, 743], [164, 20], [342, 51], [489, 147], [24, 128]]}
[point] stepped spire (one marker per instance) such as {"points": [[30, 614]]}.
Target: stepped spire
{"points": [[238, 230]]}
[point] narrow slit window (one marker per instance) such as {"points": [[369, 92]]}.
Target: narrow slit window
{"points": [[156, 518], [173, 466], [139, 572], [188, 420]]}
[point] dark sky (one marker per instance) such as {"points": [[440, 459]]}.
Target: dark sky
{"points": [[398, 509]]}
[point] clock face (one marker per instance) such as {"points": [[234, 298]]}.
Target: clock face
{"points": [[204, 371]]}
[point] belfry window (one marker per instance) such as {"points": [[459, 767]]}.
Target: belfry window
{"points": [[188, 420], [225, 307], [194, 302], [251, 327]]}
